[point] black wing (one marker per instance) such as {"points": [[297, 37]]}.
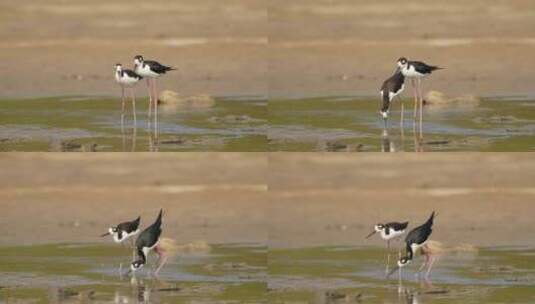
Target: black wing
{"points": [[129, 226], [158, 67], [148, 237], [423, 68], [151, 234], [394, 83], [421, 233], [398, 226], [132, 74]]}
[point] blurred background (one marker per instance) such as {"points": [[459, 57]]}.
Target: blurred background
{"points": [[214, 198], [60, 47], [333, 47]]}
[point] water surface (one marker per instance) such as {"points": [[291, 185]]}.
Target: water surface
{"points": [[71, 273], [353, 124]]}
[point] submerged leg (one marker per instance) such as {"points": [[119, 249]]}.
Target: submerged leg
{"points": [[413, 84], [387, 256], [150, 97], [402, 114], [155, 92], [400, 283], [133, 105], [432, 260], [162, 259], [421, 105], [122, 99]]}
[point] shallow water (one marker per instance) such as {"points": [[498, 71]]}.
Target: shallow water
{"points": [[353, 124], [90, 274], [96, 124], [357, 275]]}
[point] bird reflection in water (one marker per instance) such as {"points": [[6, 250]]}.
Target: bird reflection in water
{"points": [[388, 145]]}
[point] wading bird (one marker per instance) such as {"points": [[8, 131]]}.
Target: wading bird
{"points": [[127, 79], [414, 241], [416, 71], [391, 88], [388, 232], [147, 241], [151, 70], [123, 232]]}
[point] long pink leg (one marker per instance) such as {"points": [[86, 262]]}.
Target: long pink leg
{"points": [[155, 109], [133, 104], [387, 256], [431, 262], [122, 99], [424, 263], [415, 99], [421, 105], [155, 96], [150, 97], [162, 259]]}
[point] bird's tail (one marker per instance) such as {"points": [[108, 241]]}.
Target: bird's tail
{"points": [[136, 221], [159, 218], [429, 222]]}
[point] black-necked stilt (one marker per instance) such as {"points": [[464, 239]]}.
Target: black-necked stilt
{"points": [[123, 231], [149, 241], [415, 240], [127, 79], [416, 70], [391, 88], [151, 70], [389, 231]]}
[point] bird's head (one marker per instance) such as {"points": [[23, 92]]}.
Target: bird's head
{"points": [[137, 265], [377, 228], [402, 262], [402, 62], [111, 231], [138, 60]]}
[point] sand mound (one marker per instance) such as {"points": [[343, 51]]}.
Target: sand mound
{"points": [[439, 99], [194, 247], [174, 101]]}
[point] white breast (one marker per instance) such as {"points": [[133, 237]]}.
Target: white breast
{"points": [[125, 236], [125, 80], [144, 70], [392, 235], [411, 72]]}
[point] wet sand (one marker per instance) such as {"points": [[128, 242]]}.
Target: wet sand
{"points": [[55, 48], [53, 198], [346, 47], [323, 199]]}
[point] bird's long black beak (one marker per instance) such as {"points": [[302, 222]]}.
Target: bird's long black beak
{"points": [[105, 234], [372, 233], [392, 271]]}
